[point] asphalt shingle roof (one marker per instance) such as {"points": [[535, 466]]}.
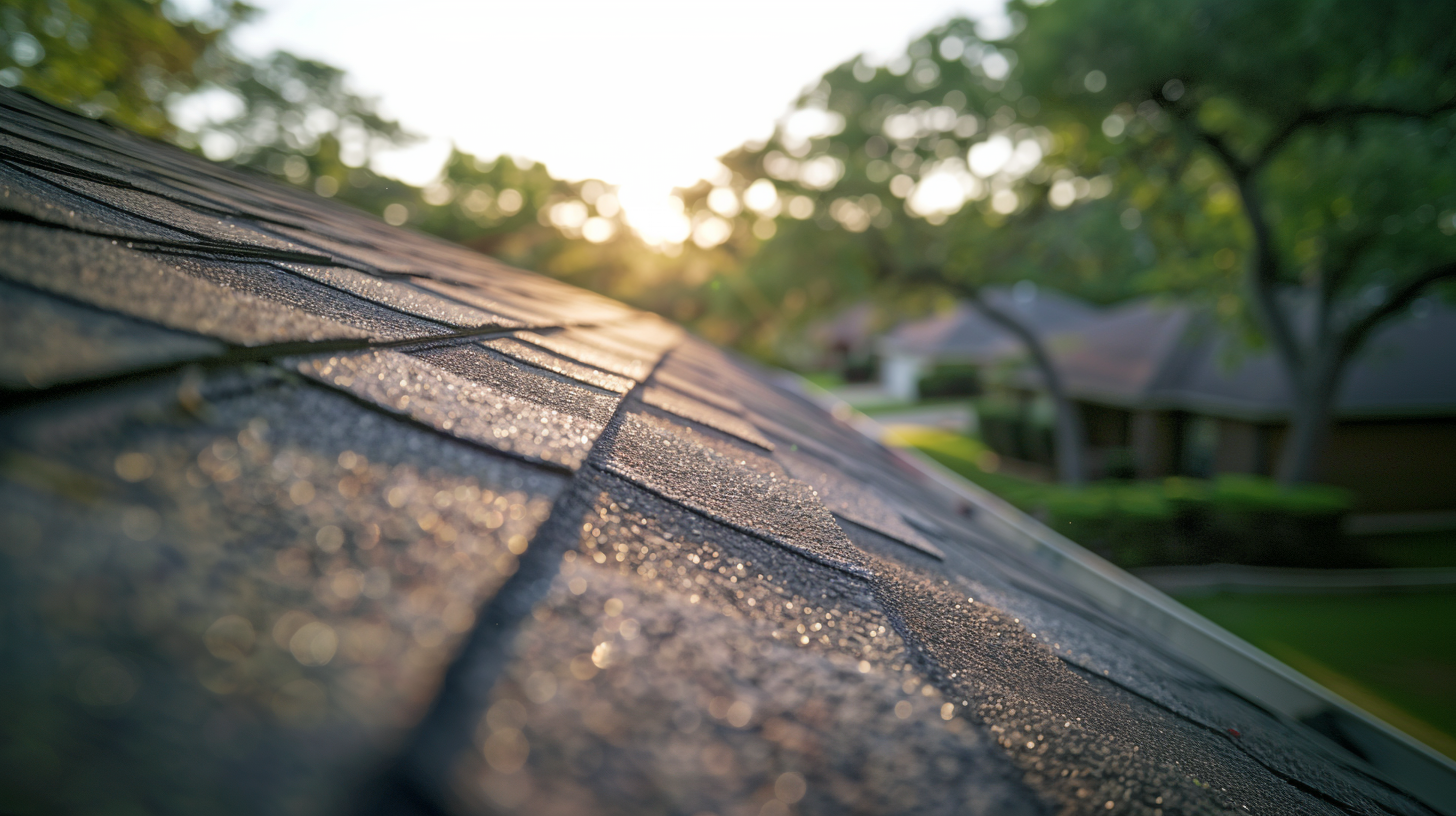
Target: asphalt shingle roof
{"points": [[1170, 356], [303, 513], [968, 336]]}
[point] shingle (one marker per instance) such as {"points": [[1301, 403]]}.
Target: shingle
{"points": [[642, 331], [301, 295], [26, 195], [104, 273], [648, 347], [1084, 739], [412, 387], [852, 500], [638, 735], [241, 609], [30, 148], [199, 226], [649, 684], [1098, 646], [724, 402], [728, 483], [400, 296], [573, 346], [45, 341], [513, 308], [541, 358], [686, 407], [480, 365], [320, 238]]}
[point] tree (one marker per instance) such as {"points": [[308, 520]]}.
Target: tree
{"points": [[1325, 126], [119, 58], [933, 174], [152, 68]]}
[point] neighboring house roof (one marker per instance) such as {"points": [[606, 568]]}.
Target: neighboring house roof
{"points": [[302, 512], [1153, 354], [966, 335]]}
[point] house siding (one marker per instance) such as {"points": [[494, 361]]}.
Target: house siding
{"points": [[1394, 466], [1390, 465]]}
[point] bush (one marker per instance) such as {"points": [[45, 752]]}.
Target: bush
{"points": [[1011, 430], [1230, 519], [950, 380]]}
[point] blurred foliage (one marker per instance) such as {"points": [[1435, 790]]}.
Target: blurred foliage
{"points": [[261, 113], [1233, 518], [120, 58], [950, 380], [168, 73], [163, 72], [1339, 115], [905, 181]]}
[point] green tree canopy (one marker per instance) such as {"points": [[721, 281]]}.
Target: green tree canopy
{"points": [[125, 59]]}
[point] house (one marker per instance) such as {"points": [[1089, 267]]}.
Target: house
{"points": [[1164, 389], [302, 513], [965, 336]]}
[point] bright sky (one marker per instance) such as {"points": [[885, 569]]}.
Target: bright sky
{"points": [[643, 94]]}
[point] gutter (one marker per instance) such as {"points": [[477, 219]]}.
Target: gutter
{"points": [[1402, 759]]}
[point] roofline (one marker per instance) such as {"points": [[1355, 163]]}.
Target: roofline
{"points": [[1247, 670], [986, 358], [1243, 410]]}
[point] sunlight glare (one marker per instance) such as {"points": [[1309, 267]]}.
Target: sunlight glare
{"points": [[988, 157], [639, 95]]}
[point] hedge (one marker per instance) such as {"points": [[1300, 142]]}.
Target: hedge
{"points": [[1230, 519], [950, 380]]}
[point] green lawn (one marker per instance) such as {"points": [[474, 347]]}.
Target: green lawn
{"points": [[1392, 654], [827, 380]]}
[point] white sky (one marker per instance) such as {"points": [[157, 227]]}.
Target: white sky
{"points": [[639, 93]]}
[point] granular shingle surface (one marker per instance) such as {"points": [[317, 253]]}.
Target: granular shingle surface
{"points": [[305, 514]]}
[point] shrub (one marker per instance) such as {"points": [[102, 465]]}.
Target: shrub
{"points": [[1230, 519], [1009, 429], [950, 380]]}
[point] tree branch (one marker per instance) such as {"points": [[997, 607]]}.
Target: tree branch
{"points": [[1264, 276], [1237, 167], [1264, 268], [1335, 113], [1356, 334], [1069, 441], [1331, 278]]}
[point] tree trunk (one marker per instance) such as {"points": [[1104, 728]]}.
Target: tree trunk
{"points": [[1311, 416], [1068, 442]]}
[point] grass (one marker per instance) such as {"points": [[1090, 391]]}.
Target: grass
{"points": [[900, 406], [826, 380], [968, 457], [886, 406], [1392, 654]]}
